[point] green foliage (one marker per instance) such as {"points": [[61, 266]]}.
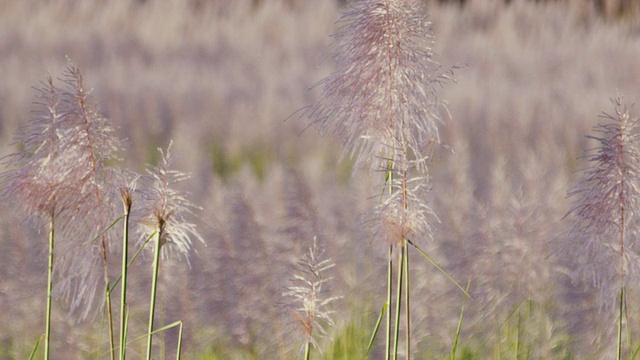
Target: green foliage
{"points": [[350, 340], [227, 164], [529, 332]]}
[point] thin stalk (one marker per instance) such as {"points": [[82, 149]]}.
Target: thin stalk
{"points": [[459, 328], [108, 301], [405, 247], [398, 303], [517, 344], [622, 231], [123, 292], [47, 336], [157, 331], [389, 180], [375, 331], [35, 348], [133, 258], [635, 352], [154, 283], [108, 288], [407, 308], [179, 351], [442, 270], [307, 350], [126, 327], [620, 313], [389, 299]]}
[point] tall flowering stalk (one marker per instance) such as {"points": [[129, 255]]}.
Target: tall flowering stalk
{"points": [[90, 144], [381, 103], [605, 210], [308, 303], [38, 181], [166, 217], [127, 188], [60, 176]]}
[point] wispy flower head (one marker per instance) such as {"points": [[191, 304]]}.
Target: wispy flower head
{"points": [[308, 304], [605, 205], [384, 83], [39, 179], [128, 182], [403, 214], [89, 139], [166, 210], [90, 144], [60, 176]]}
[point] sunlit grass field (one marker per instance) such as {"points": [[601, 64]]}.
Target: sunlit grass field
{"points": [[226, 82]]}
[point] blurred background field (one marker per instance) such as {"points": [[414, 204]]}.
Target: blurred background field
{"points": [[224, 80]]}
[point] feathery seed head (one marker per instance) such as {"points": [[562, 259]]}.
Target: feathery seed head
{"points": [[403, 215], [308, 304], [166, 210], [605, 205], [384, 83], [37, 181], [127, 182]]}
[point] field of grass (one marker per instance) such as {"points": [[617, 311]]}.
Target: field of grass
{"points": [[224, 80]]}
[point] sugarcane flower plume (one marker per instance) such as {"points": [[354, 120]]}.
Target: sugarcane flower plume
{"points": [[385, 82], [166, 211], [61, 177], [605, 205], [307, 302], [403, 214], [38, 179]]}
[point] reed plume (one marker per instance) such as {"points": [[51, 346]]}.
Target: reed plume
{"points": [[385, 83], [166, 213], [38, 181], [60, 177], [90, 144], [308, 303], [382, 104], [167, 210], [605, 209]]}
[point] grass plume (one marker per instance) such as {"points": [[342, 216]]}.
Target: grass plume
{"points": [[308, 302], [605, 210], [381, 102], [60, 176], [166, 212]]}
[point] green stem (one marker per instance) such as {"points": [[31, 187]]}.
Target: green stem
{"points": [[407, 308], [123, 292], [35, 348], [459, 328], [112, 345], [47, 336], [152, 306], [108, 300], [133, 258], [398, 304], [179, 351], [375, 331], [307, 351], [389, 298], [620, 313]]}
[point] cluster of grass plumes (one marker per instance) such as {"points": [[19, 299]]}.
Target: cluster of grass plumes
{"points": [[60, 177], [382, 104], [63, 176], [605, 214], [198, 81]]}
